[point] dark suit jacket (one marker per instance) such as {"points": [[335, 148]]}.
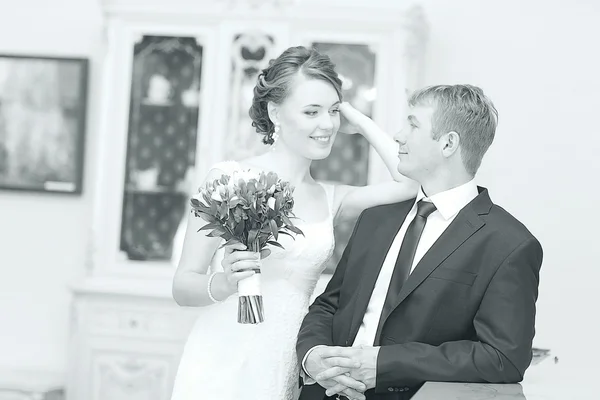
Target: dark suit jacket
{"points": [[465, 314]]}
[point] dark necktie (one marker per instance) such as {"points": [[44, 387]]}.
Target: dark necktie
{"points": [[406, 257]]}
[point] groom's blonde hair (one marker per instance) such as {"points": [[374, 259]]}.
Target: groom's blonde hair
{"points": [[466, 110]]}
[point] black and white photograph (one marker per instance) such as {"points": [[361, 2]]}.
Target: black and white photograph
{"points": [[42, 123], [299, 200]]}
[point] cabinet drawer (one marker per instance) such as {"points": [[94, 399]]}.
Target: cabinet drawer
{"points": [[120, 376], [172, 325]]}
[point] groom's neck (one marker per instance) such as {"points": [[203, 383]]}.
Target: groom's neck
{"points": [[435, 184]]}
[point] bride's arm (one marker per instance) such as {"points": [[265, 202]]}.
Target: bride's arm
{"points": [[190, 283], [350, 201], [383, 144]]}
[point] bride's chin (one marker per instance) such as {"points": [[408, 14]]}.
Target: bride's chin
{"points": [[320, 155]]}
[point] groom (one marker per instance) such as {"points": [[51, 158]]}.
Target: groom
{"points": [[438, 288]]}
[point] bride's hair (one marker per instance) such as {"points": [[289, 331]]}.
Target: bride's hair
{"points": [[273, 83]]}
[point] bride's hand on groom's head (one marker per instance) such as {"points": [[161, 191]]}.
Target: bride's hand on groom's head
{"points": [[354, 117]]}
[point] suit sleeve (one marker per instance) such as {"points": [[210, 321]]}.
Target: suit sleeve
{"points": [[316, 328], [504, 324]]}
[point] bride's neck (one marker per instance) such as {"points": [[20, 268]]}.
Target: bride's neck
{"points": [[288, 165]]}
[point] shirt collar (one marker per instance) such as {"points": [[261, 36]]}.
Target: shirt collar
{"points": [[451, 201]]}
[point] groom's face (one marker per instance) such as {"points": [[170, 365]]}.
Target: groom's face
{"points": [[419, 155]]}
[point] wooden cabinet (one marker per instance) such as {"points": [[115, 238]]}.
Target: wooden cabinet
{"points": [[125, 341], [122, 376], [177, 84]]}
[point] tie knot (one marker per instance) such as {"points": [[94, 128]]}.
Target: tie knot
{"points": [[425, 208]]}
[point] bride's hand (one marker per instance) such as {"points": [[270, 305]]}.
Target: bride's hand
{"points": [[239, 264], [354, 117]]}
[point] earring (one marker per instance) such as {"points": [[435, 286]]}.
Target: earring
{"points": [[276, 133]]}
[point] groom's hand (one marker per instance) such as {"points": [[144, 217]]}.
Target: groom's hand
{"points": [[365, 373], [338, 367]]}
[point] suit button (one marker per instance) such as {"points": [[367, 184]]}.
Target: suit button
{"points": [[390, 389], [406, 389]]}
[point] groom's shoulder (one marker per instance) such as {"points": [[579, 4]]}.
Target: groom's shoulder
{"points": [[506, 224], [386, 211]]}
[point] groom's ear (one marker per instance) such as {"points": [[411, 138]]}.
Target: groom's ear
{"points": [[451, 141], [273, 112]]}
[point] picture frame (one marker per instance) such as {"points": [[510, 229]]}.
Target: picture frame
{"points": [[43, 116]]}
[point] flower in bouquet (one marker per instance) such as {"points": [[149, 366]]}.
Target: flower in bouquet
{"points": [[252, 209]]}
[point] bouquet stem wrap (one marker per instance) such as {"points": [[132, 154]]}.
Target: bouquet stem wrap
{"points": [[250, 300]]}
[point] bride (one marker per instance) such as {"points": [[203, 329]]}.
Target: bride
{"points": [[296, 106]]}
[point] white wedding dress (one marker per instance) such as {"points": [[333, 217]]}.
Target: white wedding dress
{"points": [[225, 360]]}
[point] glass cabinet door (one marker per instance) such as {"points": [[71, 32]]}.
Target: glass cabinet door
{"points": [[161, 144], [251, 51], [348, 162]]}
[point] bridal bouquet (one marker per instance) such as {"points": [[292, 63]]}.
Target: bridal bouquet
{"points": [[252, 209]]}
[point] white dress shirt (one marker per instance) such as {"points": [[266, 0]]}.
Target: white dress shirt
{"points": [[448, 204]]}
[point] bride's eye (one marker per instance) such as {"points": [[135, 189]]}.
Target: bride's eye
{"points": [[335, 111], [311, 113]]}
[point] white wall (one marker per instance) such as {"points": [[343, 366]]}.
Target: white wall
{"points": [[535, 59], [43, 237], [539, 61]]}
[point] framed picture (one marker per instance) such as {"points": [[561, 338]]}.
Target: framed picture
{"points": [[43, 103]]}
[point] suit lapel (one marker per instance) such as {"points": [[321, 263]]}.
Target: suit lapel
{"points": [[382, 239], [466, 223]]}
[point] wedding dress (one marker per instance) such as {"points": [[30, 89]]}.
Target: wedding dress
{"points": [[225, 360]]}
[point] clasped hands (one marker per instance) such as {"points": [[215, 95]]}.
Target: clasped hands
{"points": [[349, 371]]}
